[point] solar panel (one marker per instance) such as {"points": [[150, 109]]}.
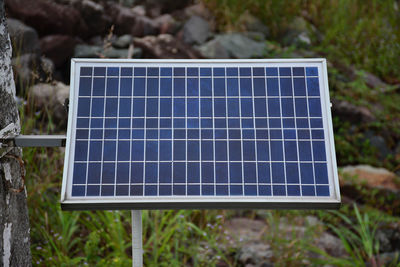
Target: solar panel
{"points": [[199, 134]]}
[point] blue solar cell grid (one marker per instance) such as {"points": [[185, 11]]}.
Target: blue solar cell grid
{"points": [[199, 131]]}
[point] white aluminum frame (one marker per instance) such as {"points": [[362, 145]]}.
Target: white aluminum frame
{"points": [[201, 202]]}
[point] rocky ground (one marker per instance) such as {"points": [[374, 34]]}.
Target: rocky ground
{"points": [[47, 34]]}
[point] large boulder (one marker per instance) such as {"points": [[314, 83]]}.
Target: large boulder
{"points": [[59, 48], [196, 30], [165, 46], [236, 45], [48, 17], [24, 39]]}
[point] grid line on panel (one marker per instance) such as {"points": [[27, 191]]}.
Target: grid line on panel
{"points": [[296, 134], [254, 123], [237, 161], [186, 142], [159, 132], [213, 122], [130, 134], [241, 131], [172, 132], [283, 142], [145, 133], [189, 76], [116, 143], [200, 156], [216, 97], [227, 133], [269, 134], [88, 145], [102, 142], [311, 139]]}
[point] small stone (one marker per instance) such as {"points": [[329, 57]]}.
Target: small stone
{"points": [[59, 48], [167, 24], [350, 112], [144, 26], [139, 10], [214, 49], [196, 30], [253, 24], [165, 46], [30, 69], [200, 10], [298, 33], [51, 97], [123, 41], [236, 45], [87, 51], [255, 253], [379, 143]]}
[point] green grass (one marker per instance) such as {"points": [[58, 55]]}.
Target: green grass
{"points": [[363, 33]]}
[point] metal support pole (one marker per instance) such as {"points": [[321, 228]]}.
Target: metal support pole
{"points": [[137, 242]]}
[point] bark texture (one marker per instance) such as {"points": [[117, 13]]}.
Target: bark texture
{"points": [[14, 221]]}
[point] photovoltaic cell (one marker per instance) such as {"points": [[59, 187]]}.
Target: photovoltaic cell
{"points": [[249, 130]]}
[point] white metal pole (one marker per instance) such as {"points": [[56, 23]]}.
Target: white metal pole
{"points": [[137, 243]]}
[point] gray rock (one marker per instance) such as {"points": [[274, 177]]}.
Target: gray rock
{"points": [[95, 17], [48, 17], [199, 9], [350, 112], [214, 49], [389, 258], [331, 244], [166, 6], [298, 33], [165, 46], [196, 30], [93, 51], [167, 24], [30, 69], [236, 45], [87, 51], [256, 36], [256, 254], [139, 10], [51, 98], [379, 143], [59, 48], [374, 81], [388, 236], [253, 24], [24, 39], [123, 41], [144, 26]]}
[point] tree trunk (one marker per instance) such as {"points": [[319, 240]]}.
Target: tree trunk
{"points": [[14, 221]]}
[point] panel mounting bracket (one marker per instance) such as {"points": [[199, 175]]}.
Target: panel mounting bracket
{"points": [[34, 141]]}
